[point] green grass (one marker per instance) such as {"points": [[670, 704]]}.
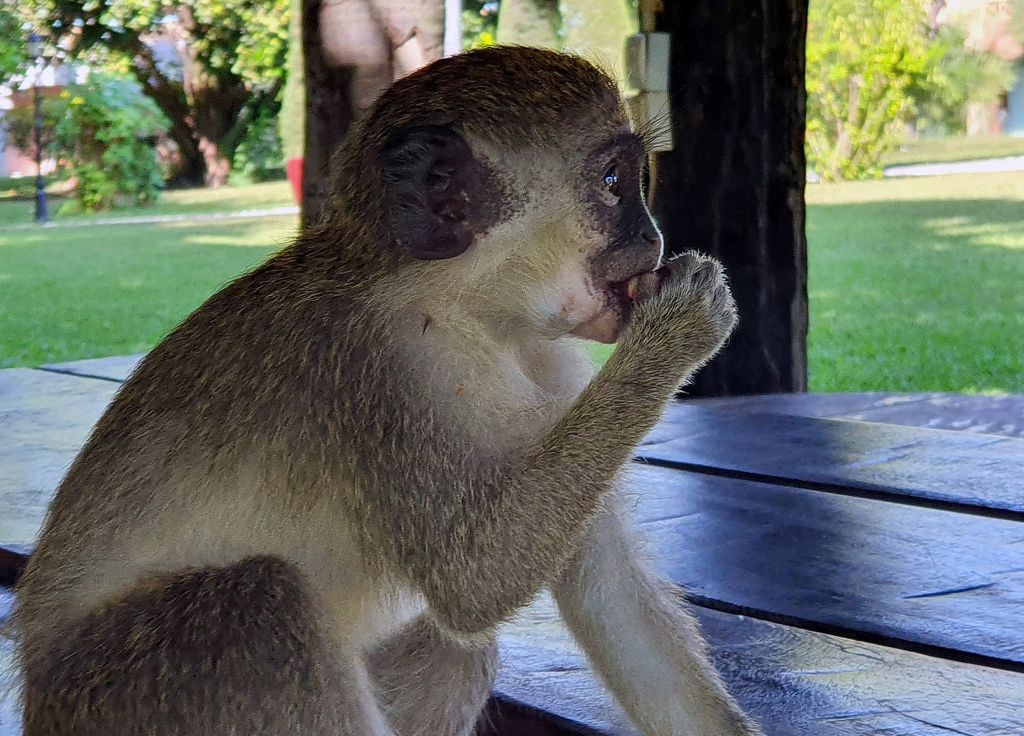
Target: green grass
{"points": [[941, 150], [17, 206], [68, 293], [917, 285]]}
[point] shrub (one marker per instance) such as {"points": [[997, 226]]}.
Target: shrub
{"points": [[107, 135], [865, 59], [258, 156]]}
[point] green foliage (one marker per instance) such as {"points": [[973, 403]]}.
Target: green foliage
{"points": [[106, 134], [259, 157], [865, 59], [235, 51], [292, 117], [232, 40], [12, 44], [19, 124], [479, 24], [959, 77]]}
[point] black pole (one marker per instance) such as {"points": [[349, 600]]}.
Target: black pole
{"points": [[41, 211]]}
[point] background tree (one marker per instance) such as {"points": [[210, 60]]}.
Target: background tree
{"points": [[865, 59], [292, 116], [959, 77], [479, 23], [352, 50], [12, 44], [213, 67], [595, 29]]}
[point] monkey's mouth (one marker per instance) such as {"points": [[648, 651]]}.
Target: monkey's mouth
{"points": [[620, 299], [626, 291]]}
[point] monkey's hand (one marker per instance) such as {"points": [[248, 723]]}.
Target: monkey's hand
{"points": [[684, 314]]}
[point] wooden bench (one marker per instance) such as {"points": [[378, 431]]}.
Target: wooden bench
{"points": [[853, 576]]}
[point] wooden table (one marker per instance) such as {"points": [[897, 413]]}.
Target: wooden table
{"points": [[854, 576]]}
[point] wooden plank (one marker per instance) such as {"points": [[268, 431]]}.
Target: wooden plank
{"points": [[506, 716], [795, 682], [116, 368], [877, 554], [924, 579], [44, 420], [804, 405], [982, 473], [1002, 415]]}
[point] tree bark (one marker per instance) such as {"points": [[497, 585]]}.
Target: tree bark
{"points": [[329, 110], [530, 23], [354, 49], [734, 185]]}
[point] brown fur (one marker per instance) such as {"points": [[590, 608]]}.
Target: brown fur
{"points": [[348, 456]]}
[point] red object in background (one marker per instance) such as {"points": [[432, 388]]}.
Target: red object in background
{"points": [[293, 169]]}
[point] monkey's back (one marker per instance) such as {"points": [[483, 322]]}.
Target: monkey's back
{"points": [[187, 465]]}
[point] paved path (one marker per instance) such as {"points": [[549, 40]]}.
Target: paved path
{"points": [[984, 166], [151, 219]]}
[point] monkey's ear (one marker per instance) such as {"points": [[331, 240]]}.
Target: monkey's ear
{"points": [[433, 180]]}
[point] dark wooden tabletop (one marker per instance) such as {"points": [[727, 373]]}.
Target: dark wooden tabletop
{"points": [[857, 560]]}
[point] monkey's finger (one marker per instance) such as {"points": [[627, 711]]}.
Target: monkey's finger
{"points": [[647, 285]]}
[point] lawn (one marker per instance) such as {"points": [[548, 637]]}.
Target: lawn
{"points": [[17, 205], [915, 285], [70, 292], [941, 150]]}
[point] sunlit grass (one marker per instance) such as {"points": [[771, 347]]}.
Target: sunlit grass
{"points": [[917, 285], [938, 150], [178, 201], [68, 293]]}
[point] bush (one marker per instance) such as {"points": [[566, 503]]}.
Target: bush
{"points": [[865, 59], [106, 135], [961, 76], [258, 156]]}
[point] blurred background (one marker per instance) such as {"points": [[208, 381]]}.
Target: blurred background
{"points": [[150, 152]]}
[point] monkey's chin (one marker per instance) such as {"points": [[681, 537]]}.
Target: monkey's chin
{"points": [[605, 327]]}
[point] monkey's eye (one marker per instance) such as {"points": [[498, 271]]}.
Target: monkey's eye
{"points": [[612, 192]]}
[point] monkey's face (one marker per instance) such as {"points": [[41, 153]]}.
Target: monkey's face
{"points": [[546, 239], [621, 241]]}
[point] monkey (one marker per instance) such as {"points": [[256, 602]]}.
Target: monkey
{"points": [[311, 507]]}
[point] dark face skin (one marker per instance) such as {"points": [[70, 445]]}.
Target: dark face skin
{"points": [[611, 187]]}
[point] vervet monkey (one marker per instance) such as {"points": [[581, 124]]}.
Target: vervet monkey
{"points": [[311, 506]]}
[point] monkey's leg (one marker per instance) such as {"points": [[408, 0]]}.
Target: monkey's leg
{"points": [[430, 685], [235, 650], [643, 644]]}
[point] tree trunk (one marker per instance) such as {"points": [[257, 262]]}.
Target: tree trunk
{"points": [[329, 110], [353, 49], [530, 23], [734, 185]]}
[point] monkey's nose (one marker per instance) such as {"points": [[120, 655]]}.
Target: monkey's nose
{"points": [[651, 235]]}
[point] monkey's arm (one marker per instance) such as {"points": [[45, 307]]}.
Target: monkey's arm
{"points": [[481, 537], [640, 639]]}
